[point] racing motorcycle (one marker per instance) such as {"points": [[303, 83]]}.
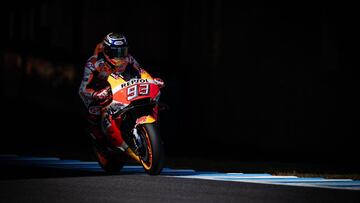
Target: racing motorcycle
{"points": [[134, 107]]}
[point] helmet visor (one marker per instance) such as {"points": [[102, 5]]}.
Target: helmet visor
{"points": [[116, 52]]}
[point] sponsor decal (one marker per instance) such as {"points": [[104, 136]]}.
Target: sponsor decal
{"points": [[119, 43], [143, 89], [132, 82]]}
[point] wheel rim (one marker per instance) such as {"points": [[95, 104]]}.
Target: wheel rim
{"points": [[147, 163]]}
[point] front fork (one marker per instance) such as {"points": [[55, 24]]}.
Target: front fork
{"points": [[138, 142]]}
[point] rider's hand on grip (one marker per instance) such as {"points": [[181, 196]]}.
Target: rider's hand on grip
{"points": [[103, 96], [159, 82]]}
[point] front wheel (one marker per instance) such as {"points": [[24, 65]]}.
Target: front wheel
{"points": [[152, 151]]}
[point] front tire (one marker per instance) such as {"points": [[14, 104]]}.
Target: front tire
{"points": [[152, 159]]}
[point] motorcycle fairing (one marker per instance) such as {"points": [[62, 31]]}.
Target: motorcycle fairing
{"points": [[124, 92]]}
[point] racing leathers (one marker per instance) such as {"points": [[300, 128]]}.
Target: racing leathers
{"points": [[96, 94]]}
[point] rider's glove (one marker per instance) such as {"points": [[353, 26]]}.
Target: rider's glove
{"points": [[159, 82], [102, 96]]}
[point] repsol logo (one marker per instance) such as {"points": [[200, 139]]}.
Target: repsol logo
{"points": [[133, 81]]}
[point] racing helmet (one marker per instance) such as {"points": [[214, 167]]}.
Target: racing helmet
{"points": [[115, 48]]}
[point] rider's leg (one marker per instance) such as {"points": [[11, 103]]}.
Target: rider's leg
{"points": [[93, 124], [113, 133]]}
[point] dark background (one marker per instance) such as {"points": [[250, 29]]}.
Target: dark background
{"points": [[259, 81]]}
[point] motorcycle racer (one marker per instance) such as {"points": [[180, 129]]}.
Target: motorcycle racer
{"points": [[110, 57]]}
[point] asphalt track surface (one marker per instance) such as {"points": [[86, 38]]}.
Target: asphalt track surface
{"points": [[54, 180]]}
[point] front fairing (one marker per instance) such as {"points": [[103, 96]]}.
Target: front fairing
{"points": [[126, 92]]}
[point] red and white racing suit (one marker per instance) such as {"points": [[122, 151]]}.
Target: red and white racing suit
{"points": [[94, 80]]}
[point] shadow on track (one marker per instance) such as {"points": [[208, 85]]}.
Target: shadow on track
{"points": [[13, 171]]}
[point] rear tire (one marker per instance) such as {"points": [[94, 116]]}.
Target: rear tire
{"points": [[110, 162]]}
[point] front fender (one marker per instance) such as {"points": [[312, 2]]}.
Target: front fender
{"points": [[145, 119]]}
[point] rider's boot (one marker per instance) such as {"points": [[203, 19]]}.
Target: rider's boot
{"points": [[132, 155], [116, 140]]}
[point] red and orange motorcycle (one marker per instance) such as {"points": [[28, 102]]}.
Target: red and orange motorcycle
{"points": [[134, 109]]}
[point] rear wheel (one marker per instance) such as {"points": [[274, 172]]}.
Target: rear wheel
{"points": [[152, 152], [110, 162]]}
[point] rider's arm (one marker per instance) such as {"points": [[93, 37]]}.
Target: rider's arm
{"points": [[85, 92], [136, 65]]}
